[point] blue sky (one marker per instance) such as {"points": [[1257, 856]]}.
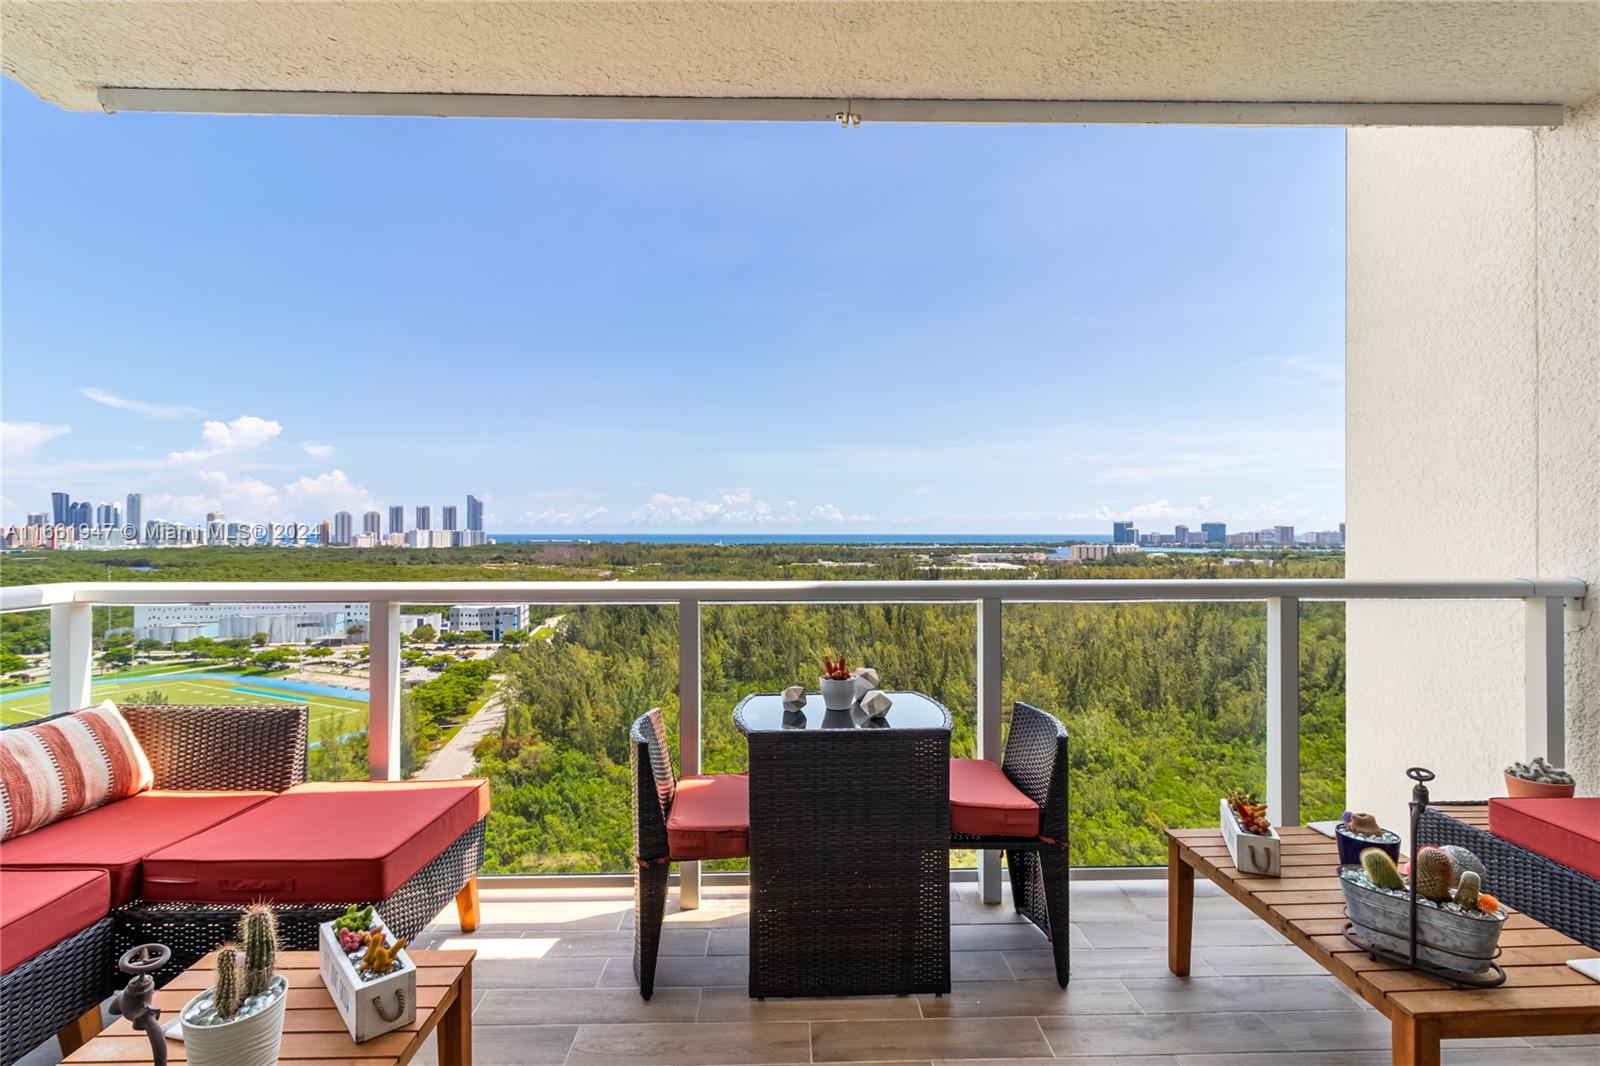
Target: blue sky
{"points": [[627, 326]]}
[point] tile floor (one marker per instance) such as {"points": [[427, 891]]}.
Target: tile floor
{"points": [[554, 985]]}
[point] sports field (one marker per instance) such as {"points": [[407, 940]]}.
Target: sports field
{"points": [[348, 713]]}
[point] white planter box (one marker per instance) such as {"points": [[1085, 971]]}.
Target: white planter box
{"points": [[1252, 854], [369, 1008]]}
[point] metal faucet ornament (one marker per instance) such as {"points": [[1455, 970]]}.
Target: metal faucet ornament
{"points": [[1419, 803], [134, 1002]]}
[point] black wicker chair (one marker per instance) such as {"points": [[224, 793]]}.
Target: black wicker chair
{"points": [[1035, 761], [654, 789]]}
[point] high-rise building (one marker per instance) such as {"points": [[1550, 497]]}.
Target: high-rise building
{"points": [[216, 527], [39, 519], [1124, 533], [397, 519], [1180, 535], [82, 513], [1216, 532], [107, 516], [424, 516], [372, 522], [324, 533], [1285, 534], [343, 528], [474, 514], [60, 509], [447, 516], [134, 514]]}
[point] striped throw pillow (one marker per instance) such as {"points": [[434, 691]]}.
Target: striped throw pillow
{"points": [[67, 765]]}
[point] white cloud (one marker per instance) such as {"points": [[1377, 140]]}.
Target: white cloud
{"points": [[19, 440], [248, 493], [317, 451], [322, 495], [122, 403], [581, 514], [220, 438]]}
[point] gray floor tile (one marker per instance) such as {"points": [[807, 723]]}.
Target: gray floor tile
{"points": [[1162, 1034], [1256, 960], [585, 1006], [1199, 995], [932, 1039], [1103, 962], [1014, 999], [681, 971], [699, 1044], [980, 966], [735, 1005], [1153, 934], [536, 973]]}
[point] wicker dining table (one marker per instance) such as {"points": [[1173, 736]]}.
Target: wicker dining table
{"points": [[849, 844]]}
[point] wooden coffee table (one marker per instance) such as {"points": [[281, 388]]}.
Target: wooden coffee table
{"points": [[1542, 996], [312, 1029]]}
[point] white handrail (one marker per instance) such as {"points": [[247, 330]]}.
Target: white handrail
{"points": [[72, 652], [956, 590]]}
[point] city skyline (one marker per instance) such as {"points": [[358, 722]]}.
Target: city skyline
{"points": [[664, 327]]}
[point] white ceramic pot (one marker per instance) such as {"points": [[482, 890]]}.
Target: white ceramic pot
{"points": [[249, 1041], [838, 695]]}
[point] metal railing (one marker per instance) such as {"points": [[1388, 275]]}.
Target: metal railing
{"points": [[72, 653]]}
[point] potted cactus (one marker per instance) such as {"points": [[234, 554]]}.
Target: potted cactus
{"points": [[838, 684], [239, 1021], [1538, 780], [1458, 923]]}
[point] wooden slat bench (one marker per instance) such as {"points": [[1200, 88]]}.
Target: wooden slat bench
{"points": [[1542, 996]]}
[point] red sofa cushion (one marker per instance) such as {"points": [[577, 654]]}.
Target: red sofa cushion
{"points": [[116, 837], [984, 802], [1562, 830], [323, 842], [710, 817], [41, 908]]}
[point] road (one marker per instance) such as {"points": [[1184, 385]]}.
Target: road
{"points": [[455, 758]]}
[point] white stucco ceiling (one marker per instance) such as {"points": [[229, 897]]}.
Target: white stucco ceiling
{"points": [[1400, 51]]}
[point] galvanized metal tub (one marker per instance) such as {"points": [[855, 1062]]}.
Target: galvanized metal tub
{"points": [[1449, 940]]}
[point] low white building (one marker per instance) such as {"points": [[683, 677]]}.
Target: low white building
{"points": [[284, 623], [495, 619]]}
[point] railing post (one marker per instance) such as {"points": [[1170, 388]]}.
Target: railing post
{"points": [[383, 691], [1283, 710], [71, 656], [990, 675], [1544, 680], [688, 729]]}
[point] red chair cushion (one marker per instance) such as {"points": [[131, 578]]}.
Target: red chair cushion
{"points": [[710, 817], [323, 842], [114, 838], [41, 908], [1562, 830], [984, 802]]}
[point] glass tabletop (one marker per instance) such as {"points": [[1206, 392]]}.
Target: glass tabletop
{"points": [[767, 712]]}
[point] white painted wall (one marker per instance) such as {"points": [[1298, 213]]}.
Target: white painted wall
{"points": [[1473, 440]]}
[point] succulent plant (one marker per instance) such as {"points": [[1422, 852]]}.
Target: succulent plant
{"points": [[1467, 889], [1432, 873], [380, 957], [1252, 815], [1381, 870], [835, 669], [1540, 771], [1488, 904], [1465, 861], [227, 995], [1363, 823], [258, 928]]}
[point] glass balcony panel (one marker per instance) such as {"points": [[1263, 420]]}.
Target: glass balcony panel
{"points": [[24, 666]]}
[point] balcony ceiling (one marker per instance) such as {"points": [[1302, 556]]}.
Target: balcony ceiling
{"points": [[1389, 51]]}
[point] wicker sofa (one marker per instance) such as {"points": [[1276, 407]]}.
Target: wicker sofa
{"points": [[231, 819], [1542, 857]]}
